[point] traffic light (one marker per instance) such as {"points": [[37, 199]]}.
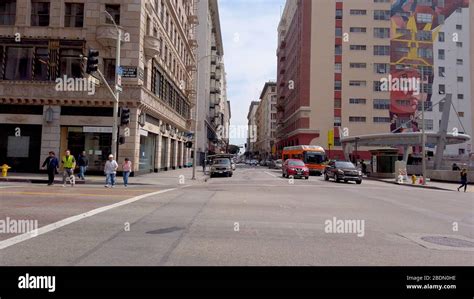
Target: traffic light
{"points": [[92, 61], [125, 116], [189, 144]]}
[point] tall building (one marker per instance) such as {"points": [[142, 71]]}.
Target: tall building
{"points": [[212, 96], [250, 148], [41, 43], [334, 56], [266, 121]]}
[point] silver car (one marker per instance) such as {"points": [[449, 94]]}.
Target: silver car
{"points": [[279, 164], [221, 166]]}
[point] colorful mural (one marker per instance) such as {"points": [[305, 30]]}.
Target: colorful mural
{"points": [[415, 27]]}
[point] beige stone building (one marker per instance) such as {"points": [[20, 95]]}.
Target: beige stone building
{"points": [[266, 121], [41, 43]]}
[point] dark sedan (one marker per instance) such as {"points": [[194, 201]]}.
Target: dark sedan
{"points": [[342, 171]]}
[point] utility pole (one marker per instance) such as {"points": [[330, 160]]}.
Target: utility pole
{"points": [[117, 87], [423, 135]]}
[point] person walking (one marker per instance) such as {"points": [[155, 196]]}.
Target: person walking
{"points": [[51, 164], [463, 179], [82, 162], [126, 168], [69, 163], [110, 171]]}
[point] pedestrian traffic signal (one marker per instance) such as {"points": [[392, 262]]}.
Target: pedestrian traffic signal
{"points": [[189, 144], [92, 61], [125, 116]]}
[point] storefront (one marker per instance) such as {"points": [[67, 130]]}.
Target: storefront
{"points": [[147, 151], [164, 153], [20, 147], [95, 141]]}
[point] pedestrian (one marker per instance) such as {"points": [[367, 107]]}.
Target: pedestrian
{"points": [[82, 162], [110, 171], [203, 162], [126, 168], [69, 163], [456, 167], [463, 179], [51, 164], [363, 166]]}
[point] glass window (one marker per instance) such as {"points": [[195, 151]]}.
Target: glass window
{"points": [[41, 64], [441, 37], [424, 17], [381, 104], [74, 15], [114, 11], [383, 15], [7, 12], [40, 13], [71, 63], [109, 70], [19, 62]]}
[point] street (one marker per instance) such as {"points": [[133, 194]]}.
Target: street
{"points": [[254, 218]]}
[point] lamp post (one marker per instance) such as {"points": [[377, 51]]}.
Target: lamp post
{"points": [[197, 115], [117, 92]]}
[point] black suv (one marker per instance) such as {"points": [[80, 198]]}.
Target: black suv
{"points": [[342, 171]]}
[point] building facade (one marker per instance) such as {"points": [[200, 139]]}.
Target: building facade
{"points": [[266, 121], [250, 148], [352, 47], [211, 91], [48, 102]]}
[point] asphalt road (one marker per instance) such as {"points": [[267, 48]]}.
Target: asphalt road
{"points": [[254, 218]]}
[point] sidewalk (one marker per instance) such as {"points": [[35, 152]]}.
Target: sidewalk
{"points": [[429, 184], [168, 177]]}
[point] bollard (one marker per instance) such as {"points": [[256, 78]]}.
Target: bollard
{"points": [[5, 168]]}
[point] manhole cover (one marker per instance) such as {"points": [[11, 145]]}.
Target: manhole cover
{"points": [[165, 230], [448, 241]]}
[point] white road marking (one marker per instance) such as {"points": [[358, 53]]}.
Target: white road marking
{"points": [[50, 227], [4, 187], [270, 174]]}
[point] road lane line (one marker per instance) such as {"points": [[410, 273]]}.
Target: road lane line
{"points": [[53, 226], [270, 174]]}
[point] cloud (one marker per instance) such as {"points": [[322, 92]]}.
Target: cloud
{"points": [[249, 32]]}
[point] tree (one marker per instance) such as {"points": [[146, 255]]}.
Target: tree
{"points": [[234, 149]]}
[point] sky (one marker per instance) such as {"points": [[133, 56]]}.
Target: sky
{"points": [[249, 33]]}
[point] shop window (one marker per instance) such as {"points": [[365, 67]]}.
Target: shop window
{"points": [[7, 12], [40, 13], [74, 16], [18, 63]]}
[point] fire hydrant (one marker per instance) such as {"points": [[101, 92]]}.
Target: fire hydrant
{"points": [[4, 168], [413, 179]]}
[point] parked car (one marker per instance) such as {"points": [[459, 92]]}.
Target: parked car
{"points": [[253, 162], [221, 166], [279, 164], [342, 171], [295, 168], [271, 164]]}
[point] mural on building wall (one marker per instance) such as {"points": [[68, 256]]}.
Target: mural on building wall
{"points": [[415, 27]]}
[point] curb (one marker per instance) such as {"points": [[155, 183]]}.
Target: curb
{"points": [[409, 185], [57, 182]]}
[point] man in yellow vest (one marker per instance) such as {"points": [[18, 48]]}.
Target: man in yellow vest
{"points": [[69, 163]]}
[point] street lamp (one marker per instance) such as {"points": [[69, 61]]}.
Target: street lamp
{"points": [[117, 92], [196, 116]]}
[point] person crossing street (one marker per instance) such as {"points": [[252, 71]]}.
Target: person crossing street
{"points": [[51, 164], [69, 163]]}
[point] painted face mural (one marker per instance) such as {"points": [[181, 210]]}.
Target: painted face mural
{"points": [[415, 28]]}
